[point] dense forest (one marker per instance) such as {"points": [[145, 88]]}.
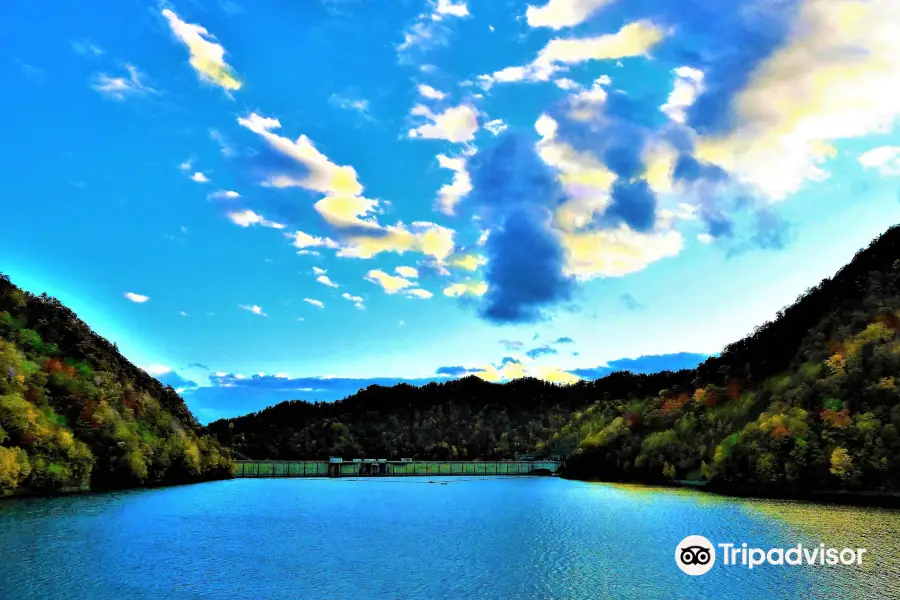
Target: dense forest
{"points": [[76, 415], [807, 401]]}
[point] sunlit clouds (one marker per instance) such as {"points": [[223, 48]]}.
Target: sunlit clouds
{"points": [[207, 57]]}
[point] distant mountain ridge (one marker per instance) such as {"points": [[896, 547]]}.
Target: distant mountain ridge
{"points": [[808, 400], [76, 415]]}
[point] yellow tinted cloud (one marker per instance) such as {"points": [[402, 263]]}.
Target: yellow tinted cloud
{"points": [[391, 284], [455, 124], [348, 211], [557, 14], [838, 77], [207, 57], [617, 252], [469, 262], [472, 288], [585, 180], [633, 39]]}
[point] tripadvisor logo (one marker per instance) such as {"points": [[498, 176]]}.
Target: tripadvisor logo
{"points": [[696, 555]]}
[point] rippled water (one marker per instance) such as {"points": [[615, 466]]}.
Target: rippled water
{"points": [[407, 538]]}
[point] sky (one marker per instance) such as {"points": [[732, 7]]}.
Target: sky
{"points": [[294, 200]]}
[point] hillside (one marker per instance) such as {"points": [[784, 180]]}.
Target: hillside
{"points": [[76, 415], [808, 400]]}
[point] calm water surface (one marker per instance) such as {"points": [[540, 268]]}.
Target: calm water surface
{"points": [[407, 538]]}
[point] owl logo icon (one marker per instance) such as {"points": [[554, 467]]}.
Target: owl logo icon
{"points": [[695, 555]]}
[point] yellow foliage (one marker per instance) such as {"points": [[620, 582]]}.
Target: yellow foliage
{"points": [[837, 364], [14, 468], [888, 383], [876, 332], [191, 456], [17, 413], [841, 463]]}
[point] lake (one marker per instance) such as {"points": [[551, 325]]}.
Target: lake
{"points": [[357, 539]]}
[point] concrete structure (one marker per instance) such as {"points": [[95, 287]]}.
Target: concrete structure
{"points": [[393, 468]]}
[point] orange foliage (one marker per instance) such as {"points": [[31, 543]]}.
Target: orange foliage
{"points": [[835, 347], [631, 419], [891, 321], [87, 414], [734, 390], [54, 365], [780, 431], [836, 418], [674, 403]]}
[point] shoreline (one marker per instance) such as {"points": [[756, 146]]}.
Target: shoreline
{"points": [[873, 499]]}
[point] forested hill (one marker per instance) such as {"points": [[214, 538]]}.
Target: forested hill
{"points": [[808, 400], [76, 415]]}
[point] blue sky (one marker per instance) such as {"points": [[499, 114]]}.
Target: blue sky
{"points": [[268, 201]]}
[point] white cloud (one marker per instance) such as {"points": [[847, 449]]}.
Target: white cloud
{"points": [[558, 14], [359, 105], [564, 83], [325, 280], [87, 48], [156, 370], [837, 77], [226, 148], [199, 177], [322, 175], [207, 56], [119, 88], [223, 195], [303, 240], [319, 271], [246, 218], [419, 293], [138, 298], [455, 124], [316, 303], [254, 308], [705, 238], [450, 194], [688, 86], [426, 31], [182, 313], [450, 8], [186, 165], [429, 92], [496, 126], [886, 159], [402, 323], [633, 39], [357, 301]]}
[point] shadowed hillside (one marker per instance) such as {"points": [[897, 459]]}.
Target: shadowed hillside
{"points": [[76, 415], [808, 400]]}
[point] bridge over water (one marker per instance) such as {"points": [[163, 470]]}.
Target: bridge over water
{"points": [[384, 468]]}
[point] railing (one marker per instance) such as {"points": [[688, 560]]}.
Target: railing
{"points": [[277, 468]]}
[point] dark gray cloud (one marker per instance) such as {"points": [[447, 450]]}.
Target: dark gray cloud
{"points": [[514, 192], [540, 351]]}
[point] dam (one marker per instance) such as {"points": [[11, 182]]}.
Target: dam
{"points": [[392, 468]]}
